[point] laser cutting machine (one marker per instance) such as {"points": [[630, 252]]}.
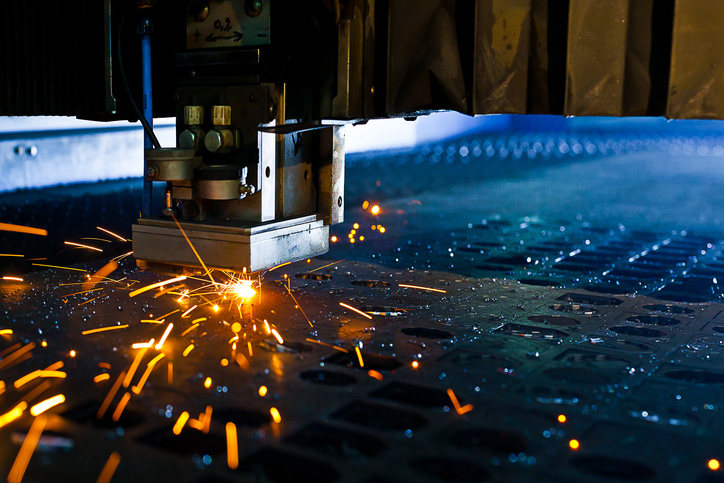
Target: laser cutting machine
{"points": [[261, 89]]}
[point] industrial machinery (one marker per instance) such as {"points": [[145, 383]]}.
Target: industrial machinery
{"points": [[259, 89]]}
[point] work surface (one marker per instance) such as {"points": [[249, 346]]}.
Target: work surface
{"points": [[552, 318]]}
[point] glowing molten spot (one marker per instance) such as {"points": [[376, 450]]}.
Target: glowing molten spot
{"points": [[713, 464], [243, 289]]}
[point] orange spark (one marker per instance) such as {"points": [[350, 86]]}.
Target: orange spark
{"points": [[460, 410], [180, 422], [208, 272], [72, 353], [13, 414], [23, 229], [562, 418], [121, 406], [574, 444], [35, 374], [375, 374], [62, 268], [110, 468], [275, 415], [186, 314], [17, 354], [101, 377], [163, 337], [359, 356], [13, 279], [207, 383], [188, 349], [6, 332], [156, 285], [100, 275], [143, 345], [111, 394], [415, 364], [262, 391], [375, 209], [112, 234], [170, 373], [43, 406], [26, 450], [88, 247], [277, 336], [251, 352], [242, 361], [713, 464], [104, 329], [207, 420], [232, 446], [421, 288], [149, 368], [189, 330], [134, 366], [355, 310]]}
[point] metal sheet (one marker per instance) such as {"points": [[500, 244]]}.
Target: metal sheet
{"points": [[696, 86], [502, 43]]}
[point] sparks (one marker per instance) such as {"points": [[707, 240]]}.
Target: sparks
{"points": [[428, 289], [375, 374], [232, 446], [460, 410], [180, 422], [574, 444], [13, 414], [143, 345], [43, 406], [101, 377], [112, 234], [375, 210], [186, 314], [277, 336], [26, 450], [359, 356], [110, 468], [275, 415], [104, 329], [243, 289], [111, 394], [87, 247], [6, 331], [134, 366], [188, 349], [562, 418], [713, 464], [72, 353], [121, 406], [13, 279], [149, 368], [341, 349], [163, 337], [183, 334], [208, 272], [355, 310], [23, 229], [262, 391], [415, 364], [156, 285], [207, 382], [35, 374]]}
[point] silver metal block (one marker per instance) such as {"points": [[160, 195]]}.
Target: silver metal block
{"points": [[158, 243]]}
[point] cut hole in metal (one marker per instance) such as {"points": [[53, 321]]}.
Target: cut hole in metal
{"points": [[698, 377], [589, 299], [282, 467], [573, 308], [609, 467], [426, 333], [371, 361], [495, 440], [532, 332], [242, 417], [553, 320], [653, 320], [189, 442], [313, 276], [414, 395], [377, 416], [637, 331], [576, 374], [337, 442], [86, 413], [448, 469], [668, 308], [371, 283], [328, 378]]}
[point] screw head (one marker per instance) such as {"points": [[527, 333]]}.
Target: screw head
{"points": [[152, 172], [253, 7]]}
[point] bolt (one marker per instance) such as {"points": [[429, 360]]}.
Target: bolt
{"points": [[199, 11], [253, 7], [152, 172]]}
